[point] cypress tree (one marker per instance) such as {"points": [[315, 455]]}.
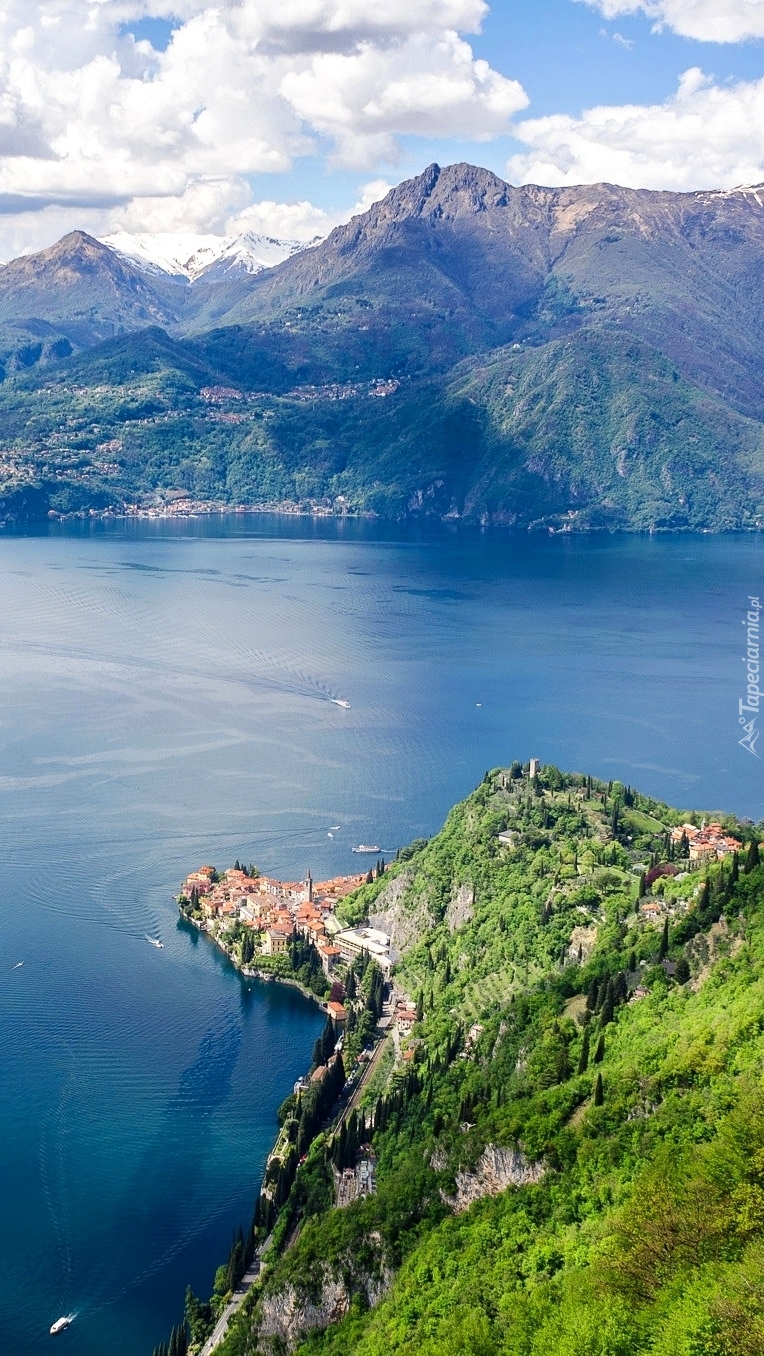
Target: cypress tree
{"points": [[591, 997], [602, 991], [599, 1095], [599, 1053], [752, 858], [583, 1059], [663, 948], [608, 1004], [735, 872], [632, 960], [682, 970]]}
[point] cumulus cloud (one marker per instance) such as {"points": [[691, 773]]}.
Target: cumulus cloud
{"points": [[300, 220], [705, 135], [91, 115], [705, 20]]}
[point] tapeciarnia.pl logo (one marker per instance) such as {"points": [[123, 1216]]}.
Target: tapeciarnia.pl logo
{"points": [[749, 706]]}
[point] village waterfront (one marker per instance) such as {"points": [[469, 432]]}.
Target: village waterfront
{"points": [[169, 697]]}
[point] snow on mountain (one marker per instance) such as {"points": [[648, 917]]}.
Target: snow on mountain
{"points": [[190, 256]]}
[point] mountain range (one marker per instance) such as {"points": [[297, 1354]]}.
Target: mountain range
{"points": [[190, 257], [567, 358]]}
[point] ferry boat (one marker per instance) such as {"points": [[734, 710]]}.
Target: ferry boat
{"points": [[61, 1323], [367, 847]]}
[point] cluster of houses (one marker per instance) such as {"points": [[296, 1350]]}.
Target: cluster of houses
{"points": [[706, 843], [278, 909]]}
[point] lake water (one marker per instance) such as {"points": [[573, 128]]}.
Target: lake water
{"points": [[165, 699]]}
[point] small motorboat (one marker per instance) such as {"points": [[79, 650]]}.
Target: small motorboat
{"points": [[155, 942], [340, 701], [61, 1323]]}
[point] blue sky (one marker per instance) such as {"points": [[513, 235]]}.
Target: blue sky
{"points": [[188, 116], [568, 57]]}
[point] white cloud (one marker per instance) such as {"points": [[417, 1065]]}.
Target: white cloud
{"points": [[706, 135], [705, 20], [90, 116], [300, 220]]}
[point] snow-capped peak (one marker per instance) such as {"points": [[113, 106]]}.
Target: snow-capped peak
{"points": [[190, 256]]}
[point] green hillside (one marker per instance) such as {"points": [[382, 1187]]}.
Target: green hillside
{"points": [[572, 1161], [591, 430]]}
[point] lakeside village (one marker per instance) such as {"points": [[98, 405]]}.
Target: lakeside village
{"points": [[288, 931]]}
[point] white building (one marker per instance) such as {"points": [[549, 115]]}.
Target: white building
{"points": [[352, 941]]}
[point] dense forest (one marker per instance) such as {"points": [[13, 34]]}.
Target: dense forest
{"points": [[569, 1146]]}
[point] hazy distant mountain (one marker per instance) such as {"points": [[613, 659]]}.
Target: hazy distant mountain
{"points": [[192, 256], [566, 357]]}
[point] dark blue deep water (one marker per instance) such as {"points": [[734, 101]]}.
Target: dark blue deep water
{"points": [[165, 699]]}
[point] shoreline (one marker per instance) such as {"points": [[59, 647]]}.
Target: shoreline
{"points": [[263, 975], [341, 1103], [186, 510]]}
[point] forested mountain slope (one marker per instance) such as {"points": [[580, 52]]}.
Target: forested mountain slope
{"points": [[573, 357], [571, 1162]]}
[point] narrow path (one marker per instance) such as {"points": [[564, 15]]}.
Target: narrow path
{"points": [[235, 1302]]}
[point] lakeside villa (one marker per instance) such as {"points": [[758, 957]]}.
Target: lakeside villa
{"points": [[277, 910]]}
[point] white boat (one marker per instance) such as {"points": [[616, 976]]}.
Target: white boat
{"points": [[155, 942], [61, 1323], [367, 847], [340, 701]]}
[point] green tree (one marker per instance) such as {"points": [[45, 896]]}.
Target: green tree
{"points": [[752, 857], [682, 970], [599, 1094], [664, 943]]}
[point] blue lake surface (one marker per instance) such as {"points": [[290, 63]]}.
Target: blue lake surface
{"points": [[166, 699]]}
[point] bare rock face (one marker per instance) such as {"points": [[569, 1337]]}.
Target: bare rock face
{"points": [[289, 1315], [460, 907], [496, 1170], [403, 920]]}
